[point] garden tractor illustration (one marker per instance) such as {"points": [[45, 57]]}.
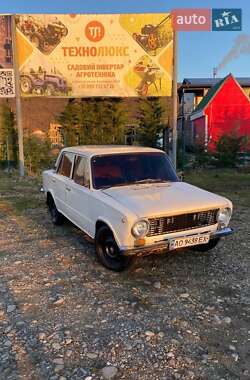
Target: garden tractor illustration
{"points": [[41, 83], [150, 75], [44, 37], [153, 37]]}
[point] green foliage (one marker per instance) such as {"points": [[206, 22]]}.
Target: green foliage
{"points": [[37, 154], [93, 121], [228, 147], [68, 119], [202, 157], [8, 135], [150, 122]]}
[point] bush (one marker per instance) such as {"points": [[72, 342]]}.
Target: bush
{"points": [[228, 148], [203, 157], [8, 137], [37, 154]]}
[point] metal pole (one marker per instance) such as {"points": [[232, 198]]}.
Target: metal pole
{"points": [[8, 152], [183, 124], [174, 100], [18, 98]]}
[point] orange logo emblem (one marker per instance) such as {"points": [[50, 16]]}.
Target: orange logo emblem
{"points": [[94, 31]]}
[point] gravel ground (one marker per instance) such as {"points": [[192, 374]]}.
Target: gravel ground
{"points": [[180, 315]]}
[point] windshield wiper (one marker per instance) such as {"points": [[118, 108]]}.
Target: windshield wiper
{"points": [[117, 185], [150, 180], [140, 181]]}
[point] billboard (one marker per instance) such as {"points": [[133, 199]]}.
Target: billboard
{"points": [[77, 55], [7, 85]]}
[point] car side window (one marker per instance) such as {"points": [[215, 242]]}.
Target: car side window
{"points": [[65, 164], [81, 171]]}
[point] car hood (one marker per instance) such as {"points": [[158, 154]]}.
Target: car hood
{"points": [[170, 198]]}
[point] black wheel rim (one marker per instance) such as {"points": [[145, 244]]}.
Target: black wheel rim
{"points": [[109, 247]]}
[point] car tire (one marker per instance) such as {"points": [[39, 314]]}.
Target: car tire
{"points": [[108, 251], [206, 247], [56, 217]]}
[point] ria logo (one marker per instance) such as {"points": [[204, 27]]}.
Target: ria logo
{"points": [[94, 31], [226, 19]]}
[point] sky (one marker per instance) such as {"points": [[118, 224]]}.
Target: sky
{"points": [[198, 52]]}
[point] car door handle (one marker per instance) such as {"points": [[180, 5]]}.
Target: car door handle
{"points": [[53, 180], [68, 188]]}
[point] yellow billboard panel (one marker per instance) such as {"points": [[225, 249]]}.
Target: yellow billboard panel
{"points": [[95, 55]]}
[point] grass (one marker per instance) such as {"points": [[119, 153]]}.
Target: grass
{"points": [[230, 183], [20, 194]]}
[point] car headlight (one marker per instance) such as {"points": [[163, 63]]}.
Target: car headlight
{"points": [[223, 216], [140, 229]]}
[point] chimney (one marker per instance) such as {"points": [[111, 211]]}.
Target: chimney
{"points": [[215, 70]]}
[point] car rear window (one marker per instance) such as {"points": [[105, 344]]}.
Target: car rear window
{"points": [[65, 164], [81, 171]]}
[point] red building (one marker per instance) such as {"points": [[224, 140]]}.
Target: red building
{"points": [[223, 110]]}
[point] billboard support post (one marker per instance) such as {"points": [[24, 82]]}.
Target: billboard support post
{"points": [[18, 99], [174, 101]]}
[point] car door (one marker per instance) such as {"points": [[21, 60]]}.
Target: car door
{"points": [[62, 181], [79, 198]]}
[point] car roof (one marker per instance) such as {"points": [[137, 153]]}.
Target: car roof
{"points": [[93, 150]]}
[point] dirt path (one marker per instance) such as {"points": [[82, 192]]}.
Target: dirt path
{"points": [[63, 316]]}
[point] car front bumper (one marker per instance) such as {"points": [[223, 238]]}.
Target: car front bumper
{"points": [[164, 245]]}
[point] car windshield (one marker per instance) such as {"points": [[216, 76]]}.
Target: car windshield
{"points": [[131, 168]]}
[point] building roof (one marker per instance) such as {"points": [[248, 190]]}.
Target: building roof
{"points": [[93, 150], [209, 82], [206, 99], [198, 111]]}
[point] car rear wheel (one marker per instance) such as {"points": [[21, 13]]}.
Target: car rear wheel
{"points": [[56, 216], [108, 251], [206, 247]]}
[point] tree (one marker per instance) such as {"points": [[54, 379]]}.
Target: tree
{"points": [[93, 121], [228, 146], [68, 120], [8, 135], [37, 154], [150, 122]]}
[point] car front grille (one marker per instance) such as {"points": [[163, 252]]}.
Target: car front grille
{"points": [[167, 224]]}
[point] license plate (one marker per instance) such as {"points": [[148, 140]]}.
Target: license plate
{"points": [[188, 241]]}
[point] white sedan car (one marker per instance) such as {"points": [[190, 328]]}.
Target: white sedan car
{"points": [[130, 201]]}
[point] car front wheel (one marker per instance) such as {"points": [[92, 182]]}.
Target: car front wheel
{"points": [[108, 251], [206, 247]]}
